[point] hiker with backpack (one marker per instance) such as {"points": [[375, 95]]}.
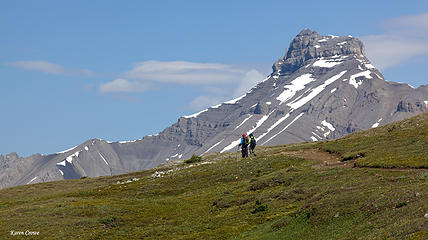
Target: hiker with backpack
{"points": [[244, 145], [252, 144]]}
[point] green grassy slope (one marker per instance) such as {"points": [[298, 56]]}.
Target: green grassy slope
{"points": [[272, 196], [400, 144]]}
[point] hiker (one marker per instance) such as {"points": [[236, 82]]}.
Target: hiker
{"points": [[252, 144], [244, 146]]}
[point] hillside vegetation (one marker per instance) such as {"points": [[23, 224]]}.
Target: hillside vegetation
{"points": [[397, 145], [299, 191]]}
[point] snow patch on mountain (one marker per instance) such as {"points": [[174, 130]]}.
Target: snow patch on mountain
{"points": [[264, 80], [70, 158], [67, 150], [32, 180], [103, 158], [243, 121], [213, 146], [274, 125], [320, 128], [353, 81], [196, 114], [295, 119], [231, 145], [62, 163], [296, 85], [233, 101], [260, 122], [314, 92], [129, 141], [369, 66], [327, 133], [375, 125], [329, 62], [328, 125], [316, 135]]}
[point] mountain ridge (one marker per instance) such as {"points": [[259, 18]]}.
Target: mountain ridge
{"points": [[324, 87]]}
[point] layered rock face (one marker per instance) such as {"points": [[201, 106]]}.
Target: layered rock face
{"points": [[324, 87]]}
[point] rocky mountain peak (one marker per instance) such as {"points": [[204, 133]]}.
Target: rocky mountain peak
{"points": [[307, 32], [309, 45]]}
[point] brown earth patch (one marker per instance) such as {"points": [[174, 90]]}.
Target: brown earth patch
{"points": [[326, 160], [321, 158]]}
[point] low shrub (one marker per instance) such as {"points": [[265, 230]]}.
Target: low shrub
{"points": [[194, 159], [110, 221]]}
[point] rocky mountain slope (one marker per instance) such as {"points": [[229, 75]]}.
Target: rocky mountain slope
{"points": [[323, 88]]}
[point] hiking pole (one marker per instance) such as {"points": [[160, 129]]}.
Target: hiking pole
{"points": [[237, 154]]}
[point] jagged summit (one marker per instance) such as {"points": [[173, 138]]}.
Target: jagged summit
{"points": [[323, 88], [308, 32], [309, 45]]}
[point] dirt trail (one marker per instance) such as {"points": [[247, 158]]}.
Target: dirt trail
{"points": [[327, 160], [324, 159]]}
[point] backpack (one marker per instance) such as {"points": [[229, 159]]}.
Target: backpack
{"points": [[253, 141], [245, 142]]}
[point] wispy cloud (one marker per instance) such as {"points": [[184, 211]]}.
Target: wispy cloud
{"points": [[249, 80], [417, 24], [181, 72], [215, 96], [204, 101], [404, 37], [218, 82], [50, 68], [123, 85]]}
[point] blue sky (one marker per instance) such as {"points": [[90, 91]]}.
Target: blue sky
{"points": [[120, 70]]}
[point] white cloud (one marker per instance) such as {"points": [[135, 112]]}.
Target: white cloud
{"points": [[386, 51], [123, 85], [40, 66], [416, 24], [216, 95], [205, 101], [219, 82], [48, 67], [250, 80], [181, 72], [405, 37]]}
